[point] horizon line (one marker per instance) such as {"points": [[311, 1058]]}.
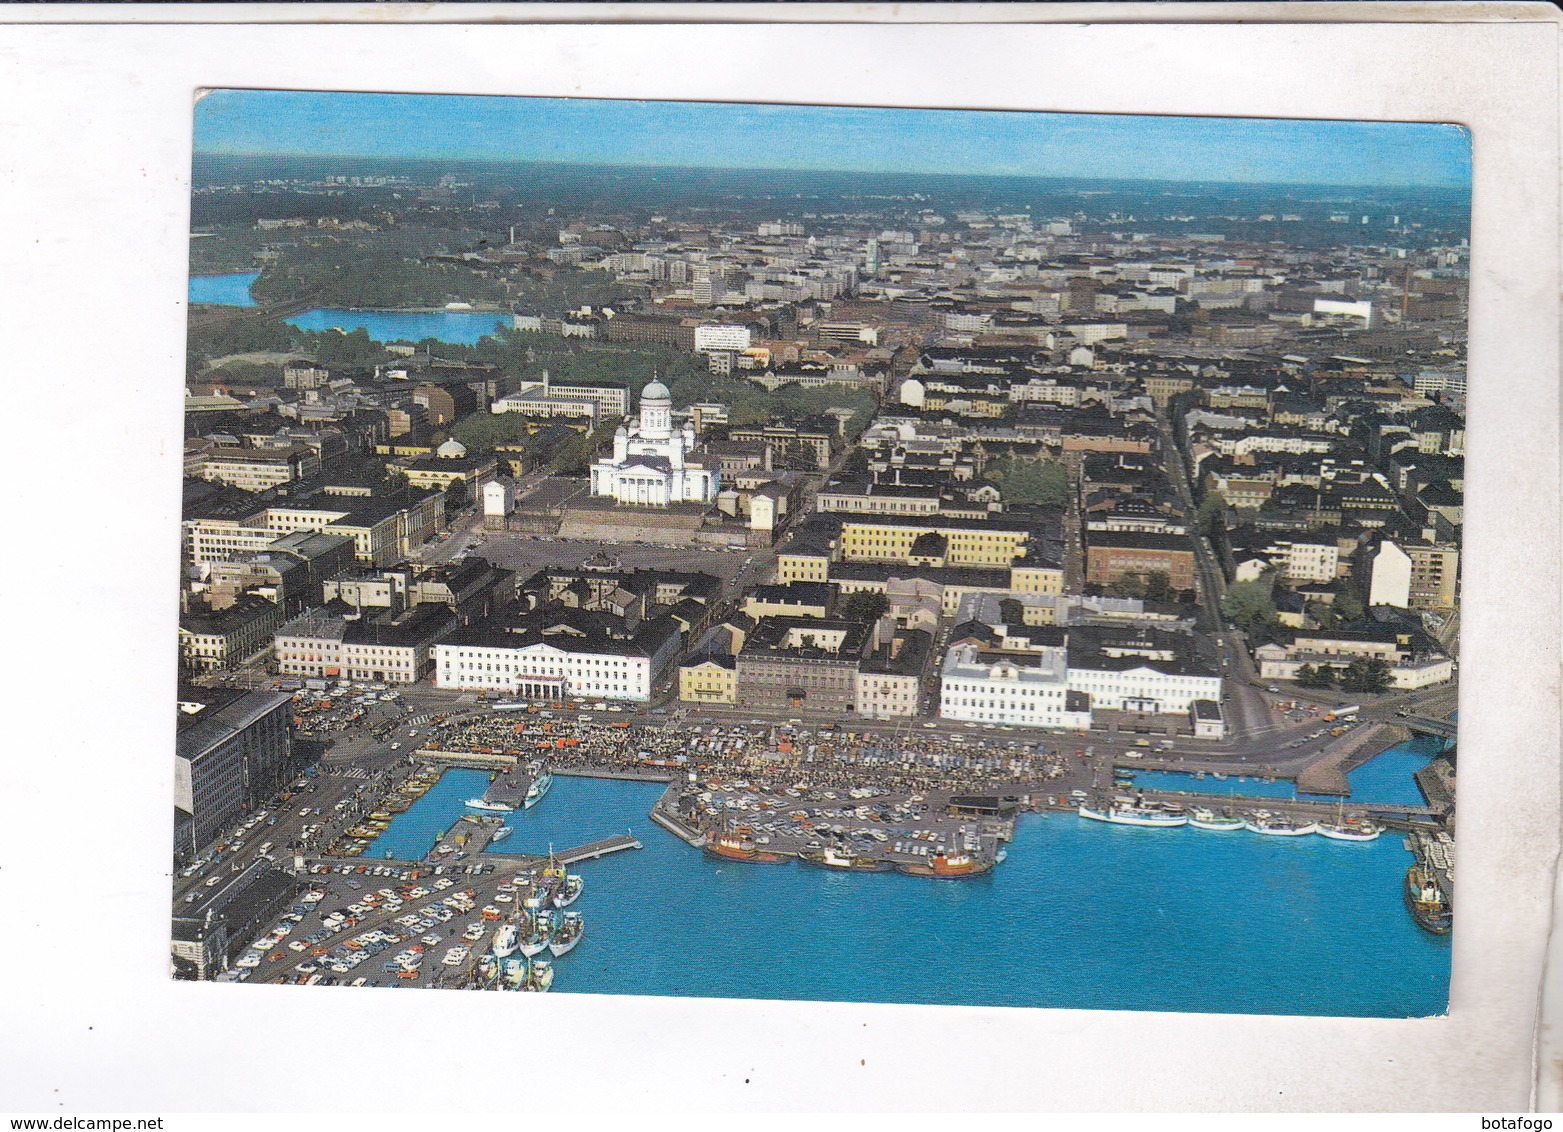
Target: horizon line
{"points": [[581, 162]]}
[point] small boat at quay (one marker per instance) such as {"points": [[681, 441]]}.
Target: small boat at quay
{"points": [[738, 847], [538, 790], [506, 940], [947, 866], [542, 976], [845, 861], [501, 833], [569, 891], [1273, 825], [485, 804], [569, 932], [535, 940], [1426, 902], [514, 973], [1201, 818]]}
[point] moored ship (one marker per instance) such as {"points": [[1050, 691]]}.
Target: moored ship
{"points": [[506, 940], [946, 865], [1273, 825], [537, 938], [1426, 902], [569, 932], [1122, 814], [739, 847], [1201, 818], [830, 858], [569, 890], [538, 790], [485, 804]]}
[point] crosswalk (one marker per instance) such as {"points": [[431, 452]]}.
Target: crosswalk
{"points": [[419, 720], [349, 772]]}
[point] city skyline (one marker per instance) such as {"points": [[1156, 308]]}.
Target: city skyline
{"points": [[759, 137]]}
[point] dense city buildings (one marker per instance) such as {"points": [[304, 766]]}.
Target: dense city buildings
{"points": [[907, 505]]}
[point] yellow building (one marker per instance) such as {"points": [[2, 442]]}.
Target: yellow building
{"points": [[802, 566], [964, 542], [714, 680], [1036, 578]]}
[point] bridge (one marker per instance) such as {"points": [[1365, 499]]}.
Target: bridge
{"points": [[1428, 725]]}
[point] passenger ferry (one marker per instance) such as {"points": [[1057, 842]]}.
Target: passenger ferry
{"points": [[1121, 814]]}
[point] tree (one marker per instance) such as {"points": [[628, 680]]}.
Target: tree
{"points": [[864, 605], [1348, 606], [1248, 606], [455, 496], [1158, 587], [1366, 674], [1321, 677], [1211, 514]]}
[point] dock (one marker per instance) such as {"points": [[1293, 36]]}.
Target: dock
{"points": [[586, 852], [1328, 775]]}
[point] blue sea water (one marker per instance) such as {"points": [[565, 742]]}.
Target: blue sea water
{"points": [[232, 290], [463, 327], [1384, 778], [1082, 915]]}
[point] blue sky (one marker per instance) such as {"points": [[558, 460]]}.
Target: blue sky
{"points": [[721, 135]]}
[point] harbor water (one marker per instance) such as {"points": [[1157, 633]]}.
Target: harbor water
{"points": [[461, 327], [232, 290], [1081, 915], [1386, 778]]}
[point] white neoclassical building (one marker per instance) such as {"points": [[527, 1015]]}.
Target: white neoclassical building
{"points": [[650, 459]]}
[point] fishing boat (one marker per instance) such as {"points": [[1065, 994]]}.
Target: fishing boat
{"points": [[569, 932], [540, 787], [1425, 901], [1353, 827], [506, 940], [488, 967], [485, 804], [538, 937], [1201, 818], [845, 861], [515, 973], [542, 976], [1273, 825], [569, 891], [740, 847], [946, 865]]}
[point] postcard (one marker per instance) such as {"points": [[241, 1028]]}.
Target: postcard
{"points": [[821, 553]]}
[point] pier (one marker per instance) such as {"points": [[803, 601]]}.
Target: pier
{"points": [[586, 852], [1328, 775]]}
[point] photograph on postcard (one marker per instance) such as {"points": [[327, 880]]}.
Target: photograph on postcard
{"points": [[826, 553]]}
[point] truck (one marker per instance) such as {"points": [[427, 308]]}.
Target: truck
{"points": [[1348, 712]]}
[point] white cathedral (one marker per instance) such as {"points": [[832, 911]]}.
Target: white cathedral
{"points": [[649, 465]]}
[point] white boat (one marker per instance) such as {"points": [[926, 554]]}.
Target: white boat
{"points": [[484, 804], [1272, 826], [501, 833], [1201, 818], [506, 940], [1342, 831], [569, 932], [542, 976], [514, 973], [1355, 828], [569, 892], [1120, 814], [538, 789], [537, 939]]}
